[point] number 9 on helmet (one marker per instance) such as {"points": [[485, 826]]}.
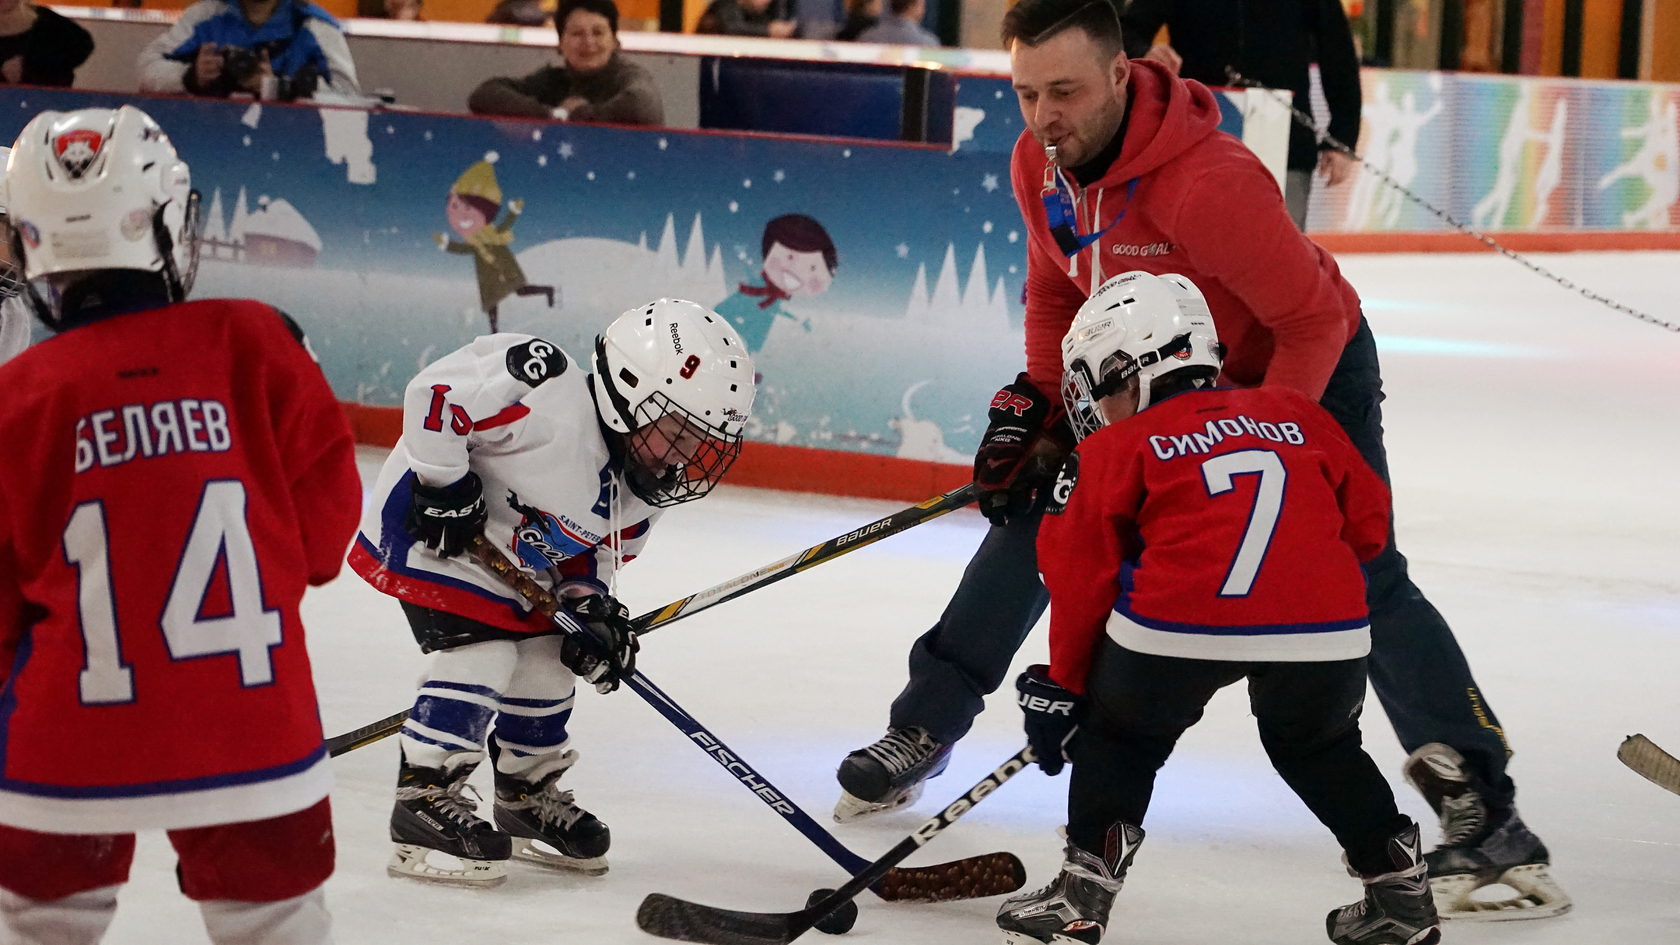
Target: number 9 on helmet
{"points": [[1156, 329], [674, 380], [94, 191]]}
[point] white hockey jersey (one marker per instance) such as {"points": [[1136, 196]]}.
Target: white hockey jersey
{"points": [[518, 412]]}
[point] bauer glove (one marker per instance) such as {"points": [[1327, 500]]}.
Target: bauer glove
{"points": [[605, 652], [1052, 716], [1017, 460], [446, 518]]}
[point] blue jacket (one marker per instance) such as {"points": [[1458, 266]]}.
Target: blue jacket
{"points": [[298, 34]]}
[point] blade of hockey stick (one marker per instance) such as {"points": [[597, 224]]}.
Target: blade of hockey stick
{"points": [[684, 921], [970, 878], [809, 558], [367, 734], [730, 589], [1650, 762]]}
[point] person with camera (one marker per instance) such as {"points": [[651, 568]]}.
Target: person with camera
{"points": [[269, 49]]}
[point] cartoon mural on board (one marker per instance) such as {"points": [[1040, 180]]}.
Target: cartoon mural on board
{"points": [[799, 262], [475, 199]]}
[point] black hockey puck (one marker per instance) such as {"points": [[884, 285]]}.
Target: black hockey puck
{"points": [[838, 922]]}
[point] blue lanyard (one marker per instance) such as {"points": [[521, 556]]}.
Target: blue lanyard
{"points": [[1064, 221]]}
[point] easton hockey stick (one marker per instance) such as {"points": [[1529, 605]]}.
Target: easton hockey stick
{"points": [[729, 590], [670, 917], [1650, 762], [990, 874]]}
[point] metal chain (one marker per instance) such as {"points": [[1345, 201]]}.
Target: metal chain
{"points": [[1324, 137]]}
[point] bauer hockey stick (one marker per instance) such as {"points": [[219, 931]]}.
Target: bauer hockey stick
{"points": [[1650, 762], [670, 917], [729, 590], [990, 874]]}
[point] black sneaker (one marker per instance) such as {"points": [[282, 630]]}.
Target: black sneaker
{"points": [[1074, 907], [889, 773], [549, 826], [431, 815], [1398, 908]]}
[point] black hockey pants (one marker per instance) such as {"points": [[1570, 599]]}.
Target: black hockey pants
{"points": [[1416, 667], [1308, 716]]}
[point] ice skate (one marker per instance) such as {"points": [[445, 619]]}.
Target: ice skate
{"points": [[1504, 858], [1073, 909], [1397, 909], [548, 826], [438, 833], [888, 774]]}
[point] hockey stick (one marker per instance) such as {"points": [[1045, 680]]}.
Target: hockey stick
{"points": [[670, 917], [990, 874], [1650, 762], [730, 589]]}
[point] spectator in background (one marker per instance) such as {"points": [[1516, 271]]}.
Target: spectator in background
{"points": [[771, 18], [594, 82], [902, 25], [38, 46], [1272, 44], [403, 10], [520, 13], [860, 15], [285, 49]]}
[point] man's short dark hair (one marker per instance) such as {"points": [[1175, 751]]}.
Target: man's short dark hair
{"points": [[1035, 22], [606, 8], [802, 234], [901, 7]]}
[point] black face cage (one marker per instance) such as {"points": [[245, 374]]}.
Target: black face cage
{"points": [[664, 475], [11, 277]]}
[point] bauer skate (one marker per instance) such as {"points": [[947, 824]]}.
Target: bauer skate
{"points": [[1480, 849], [1073, 909], [438, 833], [888, 774], [1397, 909], [548, 826]]}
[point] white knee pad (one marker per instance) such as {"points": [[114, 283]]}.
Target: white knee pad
{"points": [[79, 919], [301, 920]]}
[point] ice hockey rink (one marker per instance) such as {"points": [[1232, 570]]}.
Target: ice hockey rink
{"points": [[1535, 444]]}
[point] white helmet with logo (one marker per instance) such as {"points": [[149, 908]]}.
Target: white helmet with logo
{"points": [[1136, 325], [679, 360], [100, 189]]}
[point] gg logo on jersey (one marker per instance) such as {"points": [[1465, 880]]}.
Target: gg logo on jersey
{"points": [[1062, 490], [535, 361]]}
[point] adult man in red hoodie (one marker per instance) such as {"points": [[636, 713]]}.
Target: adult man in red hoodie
{"points": [[1121, 167]]}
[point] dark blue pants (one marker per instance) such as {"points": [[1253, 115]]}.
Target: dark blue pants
{"points": [[1417, 669]]}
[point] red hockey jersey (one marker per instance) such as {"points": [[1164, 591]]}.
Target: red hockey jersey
{"points": [[180, 476], [1222, 524]]}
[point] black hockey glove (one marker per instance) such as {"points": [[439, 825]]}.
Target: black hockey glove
{"points": [[605, 652], [445, 518], [1052, 716], [1017, 460]]}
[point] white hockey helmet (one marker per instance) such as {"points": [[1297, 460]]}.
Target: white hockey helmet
{"points": [[1136, 325], [100, 189], [680, 360]]}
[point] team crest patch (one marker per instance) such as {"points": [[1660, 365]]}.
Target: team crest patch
{"points": [[1062, 490], [535, 361], [76, 150]]}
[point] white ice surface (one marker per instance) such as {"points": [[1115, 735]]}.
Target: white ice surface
{"points": [[1535, 448]]}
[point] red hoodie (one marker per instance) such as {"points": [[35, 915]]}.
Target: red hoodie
{"points": [[1191, 200]]}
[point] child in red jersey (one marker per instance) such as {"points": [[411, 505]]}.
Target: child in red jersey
{"points": [[189, 475], [1200, 536]]}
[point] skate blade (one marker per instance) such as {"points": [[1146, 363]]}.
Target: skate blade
{"points": [[410, 861], [1021, 938], [530, 851], [850, 808], [1538, 896]]}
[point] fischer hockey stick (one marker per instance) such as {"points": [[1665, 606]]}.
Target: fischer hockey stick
{"points": [[673, 918], [729, 590], [990, 874], [1650, 762]]}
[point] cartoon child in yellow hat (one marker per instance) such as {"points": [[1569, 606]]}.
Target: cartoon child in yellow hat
{"points": [[474, 201]]}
